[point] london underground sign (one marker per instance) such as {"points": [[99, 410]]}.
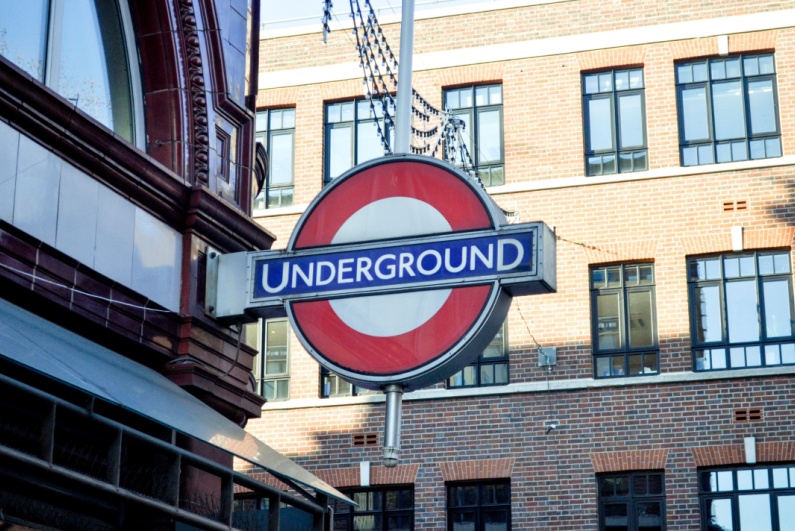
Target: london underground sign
{"points": [[399, 273]]}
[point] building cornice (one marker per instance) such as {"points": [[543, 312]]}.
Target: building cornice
{"points": [[512, 51]]}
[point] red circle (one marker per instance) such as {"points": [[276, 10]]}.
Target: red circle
{"points": [[447, 193], [332, 338]]}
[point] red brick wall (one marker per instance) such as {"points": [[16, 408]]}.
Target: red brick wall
{"points": [[675, 427]]}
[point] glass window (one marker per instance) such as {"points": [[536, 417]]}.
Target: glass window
{"points": [[741, 311], [379, 509], [276, 131], [757, 498], [272, 365], [615, 122], [355, 133], [728, 109], [482, 506], [333, 385], [491, 367], [631, 502], [482, 134], [77, 48], [623, 317]]}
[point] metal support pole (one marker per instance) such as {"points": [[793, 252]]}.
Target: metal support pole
{"points": [[404, 96], [394, 405]]}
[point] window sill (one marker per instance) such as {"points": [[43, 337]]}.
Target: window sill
{"points": [[658, 173], [538, 387]]}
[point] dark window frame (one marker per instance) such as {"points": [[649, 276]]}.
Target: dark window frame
{"points": [[632, 497], [637, 153], [704, 352], [374, 113], [493, 172], [708, 148], [482, 362], [345, 515], [711, 483], [265, 134], [333, 385], [625, 352], [277, 379], [481, 507]]}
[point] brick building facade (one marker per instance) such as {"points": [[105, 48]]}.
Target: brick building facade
{"points": [[667, 378]]}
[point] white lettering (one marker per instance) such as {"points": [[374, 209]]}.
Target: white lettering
{"points": [[406, 259], [476, 253], [501, 266], [449, 267], [306, 277], [434, 269], [319, 280], [281, 286], [390, 268], [363, 265], [342, 268]]}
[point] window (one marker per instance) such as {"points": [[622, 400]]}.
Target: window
{"points": [[379, 509], [276, 132], [760, 498], [741, 311], [272, 365], [78, 49], [332, 385], [480, 108], [728, 109], [491, 367], [614, 112], [623, 320], [631, 502], [353, 135], [484, 506]]}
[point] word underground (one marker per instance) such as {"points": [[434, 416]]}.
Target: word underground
{"points": [[456, 262]]}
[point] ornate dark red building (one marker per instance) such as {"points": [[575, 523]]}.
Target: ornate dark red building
{"points": [[126, 156]]}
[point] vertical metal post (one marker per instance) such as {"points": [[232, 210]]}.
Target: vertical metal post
{"points": [[404, 96], [394, 405]]}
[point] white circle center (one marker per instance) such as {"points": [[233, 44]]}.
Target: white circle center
{"points": [[398, 313]]}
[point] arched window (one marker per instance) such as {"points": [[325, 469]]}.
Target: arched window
{"points": [[78, 49]]}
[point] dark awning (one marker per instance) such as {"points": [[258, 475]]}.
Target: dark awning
{"points": [[65, 356]]}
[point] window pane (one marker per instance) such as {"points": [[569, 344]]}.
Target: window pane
{"points": [[649, 515], [591, 84], [600, 126], [694, 114], [755, 512], [495, 95], [369, 522], [720, 514], [778, 313], [281, 171], [368, 142], [481, 96], [399, 523], [96, 81], [339, 150], [346, 111], [466, 135], [489, 139], [741, 311], [786, 513], [761, 107], [23, 27], [495, 521], [727, 105], [288, 118], [630, 117], [641, 333], [616, 516], [451, 99], [608, 328], [463, 521], [708, 318], [463, 495]]}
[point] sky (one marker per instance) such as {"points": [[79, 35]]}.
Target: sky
{"points": [[288, 13]]}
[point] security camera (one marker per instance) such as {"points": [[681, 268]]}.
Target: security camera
{"points": [[552, 426]]}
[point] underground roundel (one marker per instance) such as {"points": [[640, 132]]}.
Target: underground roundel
{"points": [[400, 272]]}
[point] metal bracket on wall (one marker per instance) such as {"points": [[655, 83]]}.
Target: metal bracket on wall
{"points": [[547, 356]]}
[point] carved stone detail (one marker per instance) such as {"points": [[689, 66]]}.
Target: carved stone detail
{"points": [[198, 92]]}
